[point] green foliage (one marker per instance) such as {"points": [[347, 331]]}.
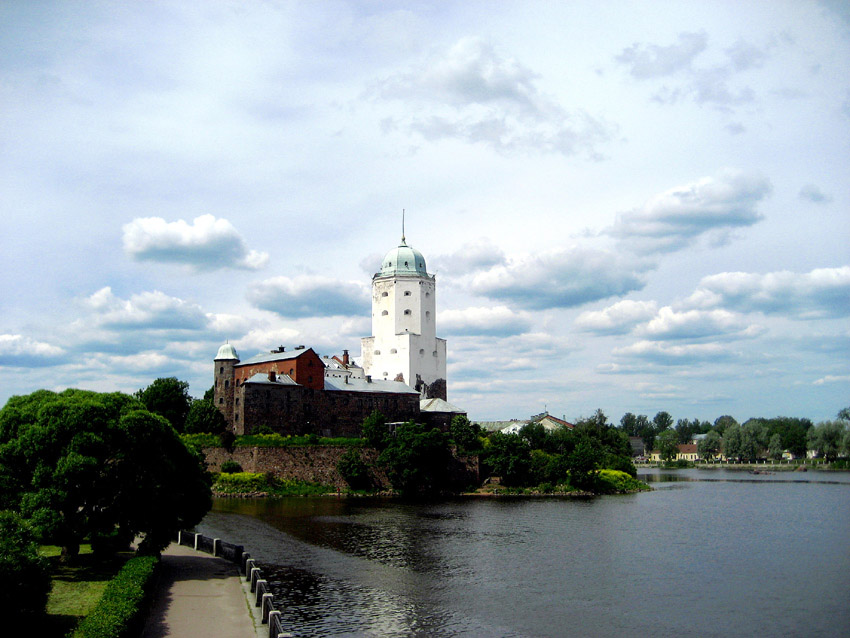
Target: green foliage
{"points": [[465, 434], [23, 573], [118, 612], [668, 444], [774, 447], [662, 421], [826, 439], [204, 417], [723, 422], [168, 397], [198, 441], [582, 462], [354, 471], [710, 446], [242, 482], [263, 429], [417, 460], [230, 467], [375, 431], [508, 456], [84, 464], [280, 440], [616, 482], [745, 442]]}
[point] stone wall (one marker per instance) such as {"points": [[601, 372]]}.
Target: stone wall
{"points": [[317, 464]]}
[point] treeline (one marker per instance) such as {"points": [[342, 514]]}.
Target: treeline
{"points": [[756, 438]]}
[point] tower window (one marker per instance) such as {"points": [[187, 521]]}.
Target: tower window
{"points": [[384, 294], [226, 383], [407, 312], [421, 351], [434, 353], [377, 352], [406, 293], [221, 370], [427, 314], [384, 313], [221, 400], [393, 351]]}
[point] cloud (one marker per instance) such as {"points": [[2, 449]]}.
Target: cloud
{"points": [[697, 324], [831, 378], [474, 94], [561, 278], [148, 310], [207, 244], [704, 85], [652, 61], [309, 296], [674, 355], [471, 257], [678, 217], [25, 352], [494, 321], [819, 294], [813, 194], [619, 318]]}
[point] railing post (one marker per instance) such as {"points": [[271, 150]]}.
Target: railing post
{"points": [[260, 588], [249, 565], [255, 576], [179, 536], [196, 541], [216, 541], [268, 599]]}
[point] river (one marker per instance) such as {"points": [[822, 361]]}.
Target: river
{"points": [[707, 553]]}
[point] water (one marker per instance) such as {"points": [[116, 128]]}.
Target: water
{"points": [[708, 553]]}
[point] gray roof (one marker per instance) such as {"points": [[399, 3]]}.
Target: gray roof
{"points": [[362, 385], [492, 426], [275, 356], [226, 352], [281, 379], [439, 405]]}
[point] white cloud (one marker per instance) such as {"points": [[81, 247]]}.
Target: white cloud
{"points": [[697, 324], [21, 351], [561, 278], [832, 378], [821, 293], [678, 217], [207, 244], [496, 321], [652, 60], [148, 310], [813, 194], [619, 318], [473, 93], [666, 354], [309, 296], [471, 257]]}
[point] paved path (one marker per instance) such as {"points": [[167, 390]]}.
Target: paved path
{"points": [[199, 595]]}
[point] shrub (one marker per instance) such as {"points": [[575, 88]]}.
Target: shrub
{"points": [[230, 467], [23, 573], [355, 472], [123, 600], [241, 482], [615, 481]]}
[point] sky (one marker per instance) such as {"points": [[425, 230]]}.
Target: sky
{"points": [[628, 206]]}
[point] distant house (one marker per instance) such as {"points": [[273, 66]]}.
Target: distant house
{"points": [[638, 446], [545, 419], [686, 452]]}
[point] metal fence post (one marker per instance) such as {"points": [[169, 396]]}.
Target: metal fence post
{"points": [[196, 541], [216, 542]]}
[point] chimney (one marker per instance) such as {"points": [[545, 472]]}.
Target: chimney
{"points": [[279, 349], [345, 357], [300, 347], [346, 379], [368, 378], [272, 376]]}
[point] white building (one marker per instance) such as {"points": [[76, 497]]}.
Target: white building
{"points": [[404, 345]]}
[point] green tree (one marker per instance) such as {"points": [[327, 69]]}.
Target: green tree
{"points": [[732, 443], [826, 438], [629, 424], [375, 430], [753, 440], [774, 447], [582, 462], [203, 416], [354, 470], [169, 397], [535, 435], [723, 422], [85, 464], [662, 421], [465, 434], [417, 460], [508, 456], [24, 574], [843, 414], [668, 444], [710, 446]]}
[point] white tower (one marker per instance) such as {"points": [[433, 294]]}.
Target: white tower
{"points": [[404, 345]]}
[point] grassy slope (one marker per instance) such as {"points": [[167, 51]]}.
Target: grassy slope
{"points": [[76, 588]]}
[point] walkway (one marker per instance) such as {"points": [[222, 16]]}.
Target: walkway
{"points": [[199, 595]]}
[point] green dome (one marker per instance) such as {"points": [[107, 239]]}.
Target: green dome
{"points": [[403, 260]]}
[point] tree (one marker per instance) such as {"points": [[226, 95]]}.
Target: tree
{"points": [[774, 447], [417, 460], [844, 414], [24, 574], [662, 421], [465, 434], [375, 430], [355, 472], [732, 441], [825, 439], [508, 456], [723, 422], [535, 435], [710, 446], [668, 444], [203, 416], [581, 464], [753, 440], [629, 424], [81, 465], [169, 397]]}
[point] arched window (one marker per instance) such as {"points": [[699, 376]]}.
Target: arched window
{"points": [[406, 293], [421, 351], [220, 400], [384, 294], [377, 352], [226, 383], [427, 314], [221, 370], [407, 312], [385, 313], [393, 351], [434, 353]]}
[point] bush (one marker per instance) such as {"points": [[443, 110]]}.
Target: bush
{"points": [[118, 611], [238, 482], [355, 472], [230, 467], [23, 573], [614, 481]]}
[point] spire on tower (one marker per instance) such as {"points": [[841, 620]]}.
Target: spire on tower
{"points": [[403, 243]]}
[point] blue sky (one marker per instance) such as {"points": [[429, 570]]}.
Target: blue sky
{"points": [[627, 206]]}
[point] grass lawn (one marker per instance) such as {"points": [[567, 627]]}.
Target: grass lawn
{"points": [[76, 587]]}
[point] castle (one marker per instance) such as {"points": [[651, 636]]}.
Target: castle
{"points": [[403, 371]]}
